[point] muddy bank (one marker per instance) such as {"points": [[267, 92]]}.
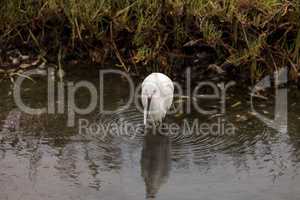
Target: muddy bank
{"points": [[200, 59]]}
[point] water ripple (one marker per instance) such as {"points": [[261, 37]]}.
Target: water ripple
{"points": [[182, 145]]}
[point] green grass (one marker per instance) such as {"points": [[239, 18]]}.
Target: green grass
{"points": [[259, 36]]}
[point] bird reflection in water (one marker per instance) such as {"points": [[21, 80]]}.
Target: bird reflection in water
{"points": [[155, 163]]}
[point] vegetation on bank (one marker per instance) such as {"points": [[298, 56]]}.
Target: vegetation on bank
{"points": [[254, 36]]}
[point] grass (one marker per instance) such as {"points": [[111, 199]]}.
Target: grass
{"points": [[258, 36]]}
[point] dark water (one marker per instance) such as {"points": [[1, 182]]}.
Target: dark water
{"points": [[42, 158]]}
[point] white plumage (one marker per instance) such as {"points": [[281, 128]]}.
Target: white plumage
{"points": [[157, 96]]}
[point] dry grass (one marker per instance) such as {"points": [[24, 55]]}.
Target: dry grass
{"points": [[255, 35]]}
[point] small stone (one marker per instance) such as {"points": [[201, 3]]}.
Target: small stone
{"points": [[14, 61], [35, 62], [61, 73], [25, 65], [42, 66], [241, 118], [24, 57]]}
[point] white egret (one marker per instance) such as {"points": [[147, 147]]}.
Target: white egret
{"points": [[157, 97]]}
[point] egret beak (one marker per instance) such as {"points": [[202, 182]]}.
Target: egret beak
{"points": [[147, 109]]}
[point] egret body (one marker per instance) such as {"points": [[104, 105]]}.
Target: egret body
{"points": [[157, 97]]}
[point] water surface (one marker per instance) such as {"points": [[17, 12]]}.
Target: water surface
{"points": [[42, 158]]}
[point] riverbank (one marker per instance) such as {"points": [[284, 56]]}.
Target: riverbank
{"points": [[242, 39]]}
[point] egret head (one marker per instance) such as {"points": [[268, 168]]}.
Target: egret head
{"points": [[157, 95], [149, 91]]}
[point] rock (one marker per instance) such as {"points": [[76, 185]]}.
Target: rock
{"points": [[35, 62], [60, 73], [241, 118], [24, 57], [14, 60], [42, 66], [25, 65], [216, 68]]}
